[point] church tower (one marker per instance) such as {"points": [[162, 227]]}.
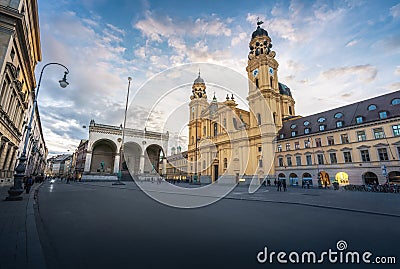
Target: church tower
{"points": [[198, 104], [262, 71]]}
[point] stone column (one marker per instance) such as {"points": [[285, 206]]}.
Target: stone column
{"points": [[116, 164], [5, 146], [141, 164], [164, 167], [10, 159], [88, 162]]}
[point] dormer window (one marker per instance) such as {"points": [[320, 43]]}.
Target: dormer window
{"points": [[293, 126], [322, 119], [371, 107], [359, 119], [281, 136], [307, 130], [322, 127], [395, 101], [294, 133], [339, 124], [338, 115], [383, 115], [306, 123]]}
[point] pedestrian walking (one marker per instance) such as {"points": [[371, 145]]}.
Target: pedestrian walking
{"points": [[275, 182], [268, 182], [279, 183], [284, 185]]}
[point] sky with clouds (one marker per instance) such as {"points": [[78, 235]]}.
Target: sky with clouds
{"points": [[330, 53]]}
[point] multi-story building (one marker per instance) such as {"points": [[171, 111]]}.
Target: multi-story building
{"points": [[357, 144], [36, 151], [19, 53], [81, 158], [177, 166], [59, 166]]}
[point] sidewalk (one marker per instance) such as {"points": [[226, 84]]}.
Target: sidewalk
{"points": [[19, 241]]}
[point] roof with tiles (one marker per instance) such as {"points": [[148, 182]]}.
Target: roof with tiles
{"points": [[389, 102]]}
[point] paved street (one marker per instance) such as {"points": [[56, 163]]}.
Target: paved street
{"points": [[97, 225]]}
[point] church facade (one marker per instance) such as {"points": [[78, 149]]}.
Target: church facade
{"points": [[225, 140], [353, 144]]}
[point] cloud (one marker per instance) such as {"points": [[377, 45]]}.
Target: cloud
{"points": [[292, 65], [157, 28], [94, 53], [394, 86], [239, 38], [352, 43], [395, 11], [366, 73], [397, 70]]}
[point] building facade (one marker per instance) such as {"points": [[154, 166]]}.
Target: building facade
{"points": [[19, 53], [229, 141], [176, 169], [354, 144], [81, 158], [143, 151], [59, 166]]}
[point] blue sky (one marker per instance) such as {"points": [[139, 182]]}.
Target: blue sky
{"points": [[331, 53]]}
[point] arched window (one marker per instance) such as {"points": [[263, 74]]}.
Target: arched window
{"points": [[234, 123], [215, 129], [371, 107], [396, 101], [274, 115], [259, 118], [338, 115], [257, 83], [290, 110], [271, 80]]}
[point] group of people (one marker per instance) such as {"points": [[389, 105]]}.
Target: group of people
{"points": [[280, 184]]}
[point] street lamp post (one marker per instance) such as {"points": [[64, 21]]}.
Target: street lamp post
{"points": [[121, 150], [15, 191]]}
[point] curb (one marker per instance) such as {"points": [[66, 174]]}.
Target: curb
{"points": [[35, 256]]}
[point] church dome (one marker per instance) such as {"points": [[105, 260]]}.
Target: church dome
{"points": [[199, 79], [283, 89], [259, 32]]}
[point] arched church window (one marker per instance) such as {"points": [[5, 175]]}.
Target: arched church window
{"points": [[215, 129], [257, 51], [257, 83], [234, 123], [258, 118], [262, 51], [271, 80], [290, 110]]}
